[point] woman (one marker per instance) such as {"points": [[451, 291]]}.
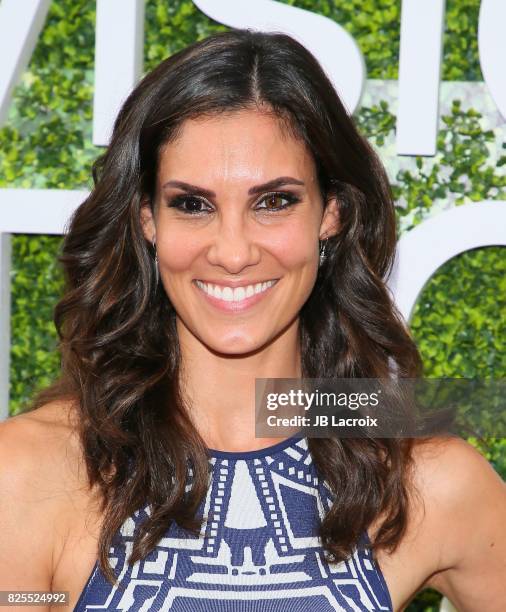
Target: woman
{"points": [[192, 269]]}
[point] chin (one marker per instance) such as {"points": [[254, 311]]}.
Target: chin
{"points": [[235, 344], [237, 347]]}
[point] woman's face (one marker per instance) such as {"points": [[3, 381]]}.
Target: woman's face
{"points": [[237, 206]]}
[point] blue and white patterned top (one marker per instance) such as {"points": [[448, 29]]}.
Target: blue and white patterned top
{"points": [[259, 550]]}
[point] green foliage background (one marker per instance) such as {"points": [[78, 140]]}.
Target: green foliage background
{"points": [[459, 321]]}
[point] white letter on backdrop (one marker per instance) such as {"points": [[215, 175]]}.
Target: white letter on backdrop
{"points": [[492, 46], [419, 75], [26, 211], [424, 249], [119, 42], [335, 49], [19, 30]]}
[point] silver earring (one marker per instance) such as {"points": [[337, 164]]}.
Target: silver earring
{"points": [[323, 244], [156, 263]]}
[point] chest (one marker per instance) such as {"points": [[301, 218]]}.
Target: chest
{"points": [[403, 579], [259, 545]]}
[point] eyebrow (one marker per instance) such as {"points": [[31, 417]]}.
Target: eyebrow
{"points": [[274, 184]]}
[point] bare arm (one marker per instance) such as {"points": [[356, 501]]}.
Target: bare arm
{"points": [[31, 528], [471, 507]]}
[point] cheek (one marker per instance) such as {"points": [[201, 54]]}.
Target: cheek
{"points": [[295, 247], [177, 252]]}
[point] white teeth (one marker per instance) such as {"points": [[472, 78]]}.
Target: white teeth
{"points": [[239, 294], [228, 294]]}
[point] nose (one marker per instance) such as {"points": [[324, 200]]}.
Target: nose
{"points": [[233, 244]]}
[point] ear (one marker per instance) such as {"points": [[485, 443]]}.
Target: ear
{"points": [[147, 220], [330, 221]]}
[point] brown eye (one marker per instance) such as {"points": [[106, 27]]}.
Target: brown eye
{"points": [[274, 201]]}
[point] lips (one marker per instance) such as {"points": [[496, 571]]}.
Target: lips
{"points": [[235, 294], [234, 298]]}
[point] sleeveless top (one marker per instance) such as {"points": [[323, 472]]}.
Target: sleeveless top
{"points": [[258, 550]]}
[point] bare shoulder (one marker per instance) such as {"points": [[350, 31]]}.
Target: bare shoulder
{"points": [[454, 541], [451, 472], [43, 442], [42, 477], [453, 477], [60, 413], [463, 500]]}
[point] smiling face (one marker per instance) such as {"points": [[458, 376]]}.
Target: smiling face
{"points": [[238, 215]]}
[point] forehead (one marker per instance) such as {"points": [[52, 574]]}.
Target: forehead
{"points": [[247, 143]]}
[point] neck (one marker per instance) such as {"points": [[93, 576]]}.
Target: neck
{"points": [[220, 388]]}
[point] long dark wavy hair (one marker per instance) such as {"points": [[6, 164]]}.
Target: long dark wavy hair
{"points": [[119, 347]]}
